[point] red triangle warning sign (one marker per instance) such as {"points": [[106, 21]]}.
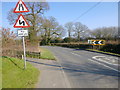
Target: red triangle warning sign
{"points": [[21, 22], [20, 7]]}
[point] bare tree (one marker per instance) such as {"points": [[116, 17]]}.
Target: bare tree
{"points": [[105, 33], [86, 34], [79, 29], [51, 29], [69, 28]]}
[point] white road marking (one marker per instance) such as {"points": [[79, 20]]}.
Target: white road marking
{"points": [[67, 82], [104, 65], [75, 54], [95, 57], [99, 63]]}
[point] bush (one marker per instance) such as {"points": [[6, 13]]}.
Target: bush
{"points": [[68, 40], [8, 37], [74, 45], [114, 48]]}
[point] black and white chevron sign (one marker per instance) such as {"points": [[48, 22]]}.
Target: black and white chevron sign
{"points": [[96, 42]]}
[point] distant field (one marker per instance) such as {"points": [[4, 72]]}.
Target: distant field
{"points": [[15, 77]]}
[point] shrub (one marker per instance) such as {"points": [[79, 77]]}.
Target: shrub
{"points": [[114, 48]]}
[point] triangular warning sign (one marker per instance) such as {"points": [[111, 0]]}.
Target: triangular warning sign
{"points": [[20, 7], [21, 22]]}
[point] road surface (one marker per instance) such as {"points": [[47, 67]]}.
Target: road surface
{"points": [[85, 69]]}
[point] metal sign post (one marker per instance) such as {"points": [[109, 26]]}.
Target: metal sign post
{"points": [[24, 52], [23, 33], [21, 23]]}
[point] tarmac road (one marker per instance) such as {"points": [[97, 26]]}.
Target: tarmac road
{"points": [[85, 69]]}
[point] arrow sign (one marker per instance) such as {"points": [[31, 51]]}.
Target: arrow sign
{"points": [[21, 22], [98, 42], [101, 42], [95, 42], [20, 7]]}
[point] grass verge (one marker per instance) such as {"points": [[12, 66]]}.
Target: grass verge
{"points": [[0, 73], [46, 54], [14, 76], [104, 52]]}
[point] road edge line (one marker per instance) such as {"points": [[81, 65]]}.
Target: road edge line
{"points": [[67, 82]]}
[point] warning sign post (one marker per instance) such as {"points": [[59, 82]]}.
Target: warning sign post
{"points": [[22, 23]]}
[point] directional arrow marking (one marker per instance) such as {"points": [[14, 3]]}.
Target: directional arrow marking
{"points": [[94, 42], [100, 42], [97, 42]]}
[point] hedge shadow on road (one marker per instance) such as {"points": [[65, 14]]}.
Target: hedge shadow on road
{"points": [[76, 69]]}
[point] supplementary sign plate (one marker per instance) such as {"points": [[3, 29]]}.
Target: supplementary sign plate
{"points": [[22, 33]]}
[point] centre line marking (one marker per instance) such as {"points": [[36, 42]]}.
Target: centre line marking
{"points": [[75, 54]]}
